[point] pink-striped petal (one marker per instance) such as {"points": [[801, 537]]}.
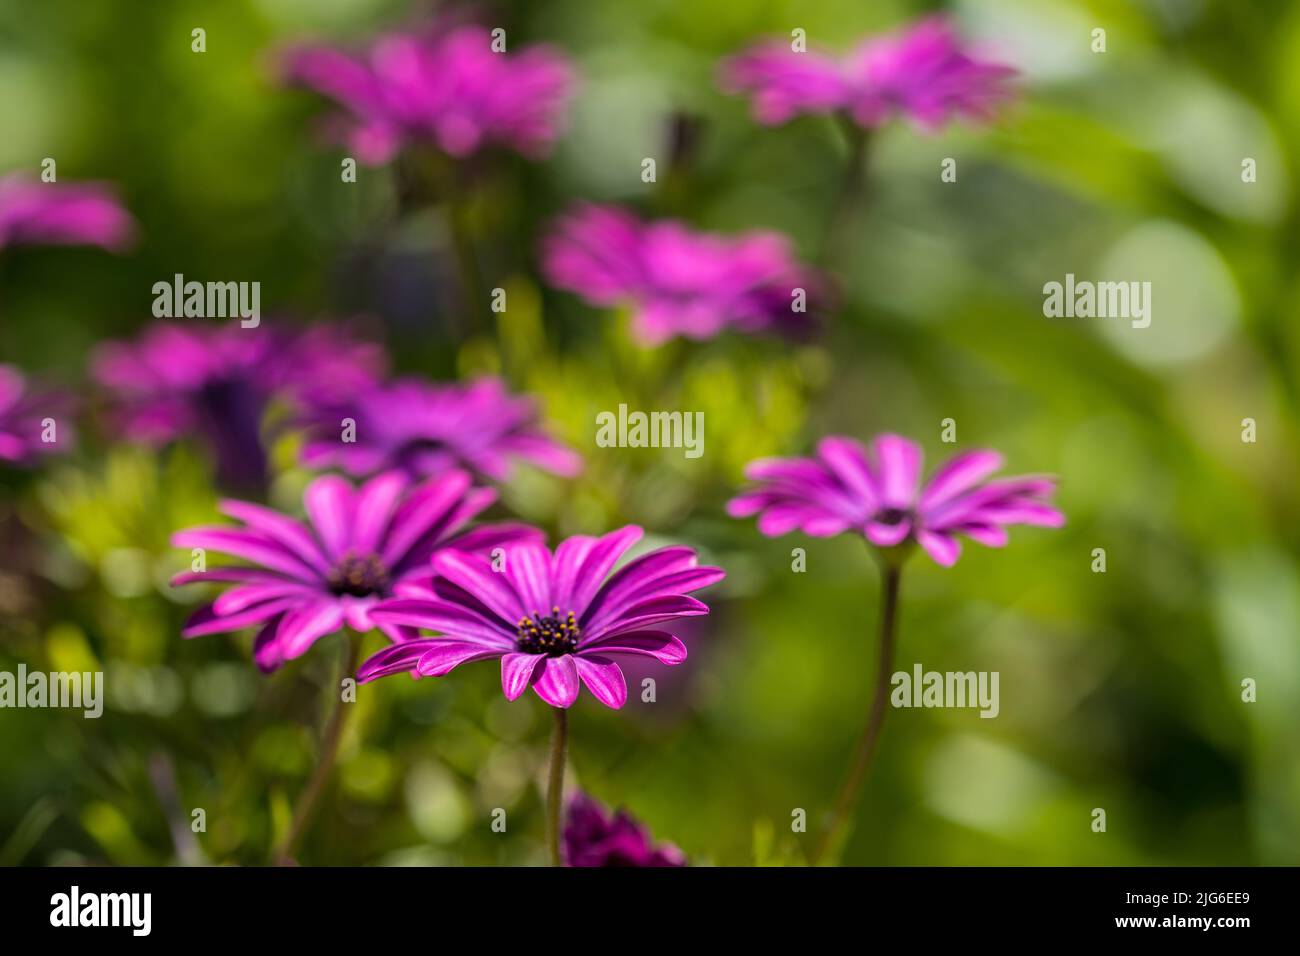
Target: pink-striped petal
{"points": [[604, 679], [557, 681], [517, 670]]}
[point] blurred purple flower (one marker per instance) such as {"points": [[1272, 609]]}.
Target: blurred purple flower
{"points": [[216, 380], [923, 73], [555, 621], [880, 496], [423, 429], [39, 213], [446, 88], [307, 580], [677, 281], [595, 837], [23, 411]]}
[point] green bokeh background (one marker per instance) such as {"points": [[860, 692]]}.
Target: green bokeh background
{"points": [[1119, 691]]}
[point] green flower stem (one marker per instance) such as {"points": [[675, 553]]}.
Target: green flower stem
{"points": [[866, 749], [555, 785], [329, 749]]}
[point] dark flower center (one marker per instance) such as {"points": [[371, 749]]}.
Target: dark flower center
{"points": [[890, 515], [552, 635], [358, 576]]}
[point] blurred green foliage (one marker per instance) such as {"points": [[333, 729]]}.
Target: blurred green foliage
{"points": [[1119, 690]]}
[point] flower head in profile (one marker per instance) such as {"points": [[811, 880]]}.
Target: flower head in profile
{"points": [[594, 837], [556, 620], [424, 428], [879, 495], [923, 73], [39, 213], [304, 580], [676, 281], [448, 88], [216, 380], [24, 414]]}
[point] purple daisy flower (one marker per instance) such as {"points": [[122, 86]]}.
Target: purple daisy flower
{"points": [[879, 495], [555, 621], [678, 282], [216, 381], [424, 429], [449, 89], [23, 412], [923, 73], [358, 546], [595, 837], [38, 213]]}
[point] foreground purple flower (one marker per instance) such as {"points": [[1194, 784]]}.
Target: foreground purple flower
{"points": [[679, 282], [216, 380], [38, 213], [449, 89], [922, 73], [424, 429], [23, 412], [595, 837], [555, 621], [879, 495], [307, 580]]}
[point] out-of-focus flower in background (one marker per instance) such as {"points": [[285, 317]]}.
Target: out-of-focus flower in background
{"points": [[217, 380], [28, 415], [448, 88], [554, 620], [923, 73], [595, 837], [424, 428], [880, 495], [679, 282], [39, 213], [309, 580]]}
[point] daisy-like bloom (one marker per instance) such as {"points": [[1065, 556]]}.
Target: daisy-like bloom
{"points": [[448, 88], [880, 496], [23, 413], [923, 73], [676, 281], [595, 837], [305, 580], [424, 428], [555, 621], [216, 380], [38, 213]]}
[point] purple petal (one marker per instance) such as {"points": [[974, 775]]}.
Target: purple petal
{"points": [[603, 678], [847, 459], [660, 645], [517, 671], [285, 530], [444, 617], [246, 544], [557, 681], [596, 564], [446, 655], [330, 507], [960, 474], [528, 569], [375, 502], [900, 470], [943, 548], [393, 659], [206, 621], [304, 626], [474, 574]]}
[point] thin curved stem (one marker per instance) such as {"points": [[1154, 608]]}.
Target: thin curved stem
{"points": [[866, 749], [851, 197], [555, 784], [329, 749]]}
